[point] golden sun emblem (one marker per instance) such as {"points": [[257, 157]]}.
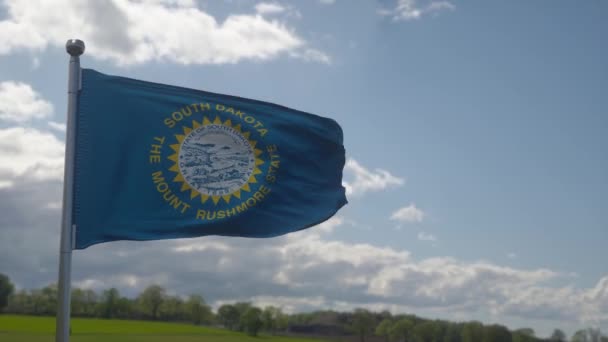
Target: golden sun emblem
{"points": [[215, 160]]}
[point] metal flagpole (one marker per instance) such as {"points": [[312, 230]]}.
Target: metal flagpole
{"points": [[75, 48]]}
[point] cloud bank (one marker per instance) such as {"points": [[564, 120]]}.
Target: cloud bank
{"points": [[130, 32]]}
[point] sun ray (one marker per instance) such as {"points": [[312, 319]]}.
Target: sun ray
{"points": [[217, 121], [227, 198], [215, 199]]}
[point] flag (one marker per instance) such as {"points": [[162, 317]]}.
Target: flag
{"points": [[155, 161]]}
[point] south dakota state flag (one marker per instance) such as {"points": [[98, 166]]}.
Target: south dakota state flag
{"points": [[156, 162]]}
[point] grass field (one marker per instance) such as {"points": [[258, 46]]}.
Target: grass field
{"points": [[42, 329]]}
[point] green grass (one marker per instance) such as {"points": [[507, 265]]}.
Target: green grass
{"points": [[42, 329]]}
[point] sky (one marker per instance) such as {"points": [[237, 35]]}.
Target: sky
{"points": [[477, 168]]}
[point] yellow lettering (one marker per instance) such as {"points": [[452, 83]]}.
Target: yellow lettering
{"points": [[169, 123], [158, 177], [177, 116], [241, 208], [175, 202], [264, 190], [187, 112]]}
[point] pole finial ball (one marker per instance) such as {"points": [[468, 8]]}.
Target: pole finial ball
{"points": [[75, 47]]}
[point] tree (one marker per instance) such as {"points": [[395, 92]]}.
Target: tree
{"points": [[172, 309], [558, 336], [524, 335], [228, 316], [109, 303], [241, 308], [197, 310], [401, 330], [363, 323], [252, 321], [282, 321], [496, 333], [425, 332], [151, 299], [452, 333], [384, 328], [270, 318], [580, 336], [472, 332], [6, 289]]}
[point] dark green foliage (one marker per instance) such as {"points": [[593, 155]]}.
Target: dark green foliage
{"points": [[496, 333], [6, 289], [384, 328], [363, 323], [228, 316], [252, 320], [558, 336], [151, 299]]}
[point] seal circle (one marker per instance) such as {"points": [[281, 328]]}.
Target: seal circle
{"points": [[216, 160]]}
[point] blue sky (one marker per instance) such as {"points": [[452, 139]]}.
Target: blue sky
{"points": [[475, 132]]}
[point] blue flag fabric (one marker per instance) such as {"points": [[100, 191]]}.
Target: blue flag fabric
{"points": [[157, 162]]}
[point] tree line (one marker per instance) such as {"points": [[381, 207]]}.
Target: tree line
{"points": [[154, 303]]}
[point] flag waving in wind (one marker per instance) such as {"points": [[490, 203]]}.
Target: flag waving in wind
{"points": [[156, 162]]}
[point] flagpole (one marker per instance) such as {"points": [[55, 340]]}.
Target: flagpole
{"points": [[74, 48]]}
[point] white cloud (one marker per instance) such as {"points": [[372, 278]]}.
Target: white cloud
{"points": [[128, 31], [20, 103], [412, 9], [512, 255], [269, 8], [408, 214], [329, 225], [31, 154], [366, 180], [422, 236], [327, 2], [57, 126], [312, 55]]}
